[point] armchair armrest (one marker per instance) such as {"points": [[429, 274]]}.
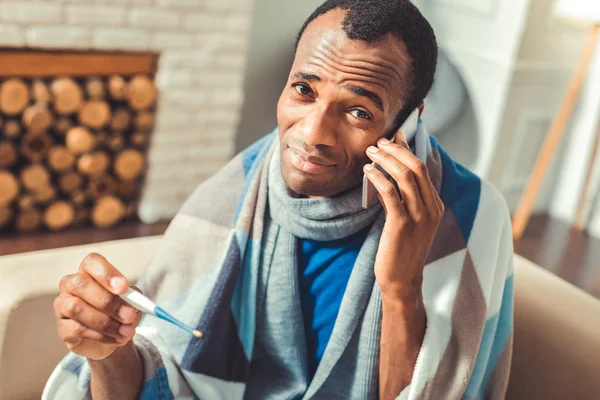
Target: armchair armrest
{"points": [[29, 345]]}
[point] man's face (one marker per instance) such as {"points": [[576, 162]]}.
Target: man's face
{"points": [[342, 96]]}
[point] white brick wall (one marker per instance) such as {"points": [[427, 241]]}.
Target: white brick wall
{"points": [[129, 2], [30, 12], [174, 59], [121, 39], [215, 115], [153, 18], [11, 35], [231, 61], [185, 99], [175, 78], [226, 97], [202, 46], [170, 40], [218, 79], [187, 4], [221, 42], [104, 15], [202, 22], [58, 36]]}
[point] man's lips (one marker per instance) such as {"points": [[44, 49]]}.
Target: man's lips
{"points": [[309, 164]]}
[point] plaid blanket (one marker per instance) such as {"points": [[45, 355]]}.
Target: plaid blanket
{"points": [[208, 270]]}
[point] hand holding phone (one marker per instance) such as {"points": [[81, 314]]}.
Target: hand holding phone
{"points": [[409, 128]]}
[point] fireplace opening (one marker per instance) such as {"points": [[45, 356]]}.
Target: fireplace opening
{"points": [[75, 128]]}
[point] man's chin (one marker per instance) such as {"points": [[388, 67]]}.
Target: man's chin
{"points": [[307, 187]]}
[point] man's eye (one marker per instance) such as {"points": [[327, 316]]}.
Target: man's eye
{"points": [[360, 114], [303, 89]]}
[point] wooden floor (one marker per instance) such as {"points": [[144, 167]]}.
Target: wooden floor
{"points": [[573, 255]]}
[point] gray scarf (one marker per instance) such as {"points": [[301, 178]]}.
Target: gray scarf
{"points": [[316, 219], [279, 366]]}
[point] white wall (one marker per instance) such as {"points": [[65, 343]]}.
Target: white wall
{"points": [[482, 39], [546, 58], [577, 151]]}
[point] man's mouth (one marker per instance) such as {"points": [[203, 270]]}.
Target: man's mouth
{"points": [[309, 164]]}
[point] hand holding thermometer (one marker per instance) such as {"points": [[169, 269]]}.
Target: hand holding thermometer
{"points": [[147, 306], [409, 128]]}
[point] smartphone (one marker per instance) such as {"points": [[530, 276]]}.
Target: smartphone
{"points": [[409, 128]]}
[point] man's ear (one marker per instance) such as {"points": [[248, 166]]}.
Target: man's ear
{"points": [[421, 108]]}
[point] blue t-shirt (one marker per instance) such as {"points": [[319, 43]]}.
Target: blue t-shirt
{"points": [[324, 270]]}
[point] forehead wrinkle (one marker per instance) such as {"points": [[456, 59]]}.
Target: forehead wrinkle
{"points": [[349, 64], [343, 79], [366, 75], [357, 74], [358, 61]]}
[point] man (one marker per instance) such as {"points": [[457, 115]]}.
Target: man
{"points": [[299, 291]]}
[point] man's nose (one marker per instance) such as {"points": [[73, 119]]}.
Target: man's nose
{"points": [[317, 128]]}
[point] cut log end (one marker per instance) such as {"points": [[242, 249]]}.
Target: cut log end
{"points": [[62, 125], [68, 96], [95, 88], [35, 177], [12, 129], [70, 182], [121, 120], [9, 188], [141, 92], [117, 87], [14, 96], [59, 215], [129, 164], [60, 159], [6, 216], [102, 186], [28, 220], [108, 211], [144, 121], [95, 114], [45, 194], [34, 147], [37, 118], [41, 94], [93, 164], [8, 155], [79, 140]]}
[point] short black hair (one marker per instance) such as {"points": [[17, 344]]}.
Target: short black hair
{"points": [[371, 20]]}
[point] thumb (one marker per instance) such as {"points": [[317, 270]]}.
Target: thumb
{"points": [[139, 314]]}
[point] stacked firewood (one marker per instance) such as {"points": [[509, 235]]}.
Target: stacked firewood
{"points": [[73, 150]]}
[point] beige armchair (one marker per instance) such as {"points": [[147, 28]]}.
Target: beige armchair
{"points": [[29, 345], [557, 326]]}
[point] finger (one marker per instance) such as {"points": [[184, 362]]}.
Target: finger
{"points": [[387, 192], [418, 168], [72, 333], [82, 285], [104, 273], [403, 176], [400, 140], [70, 307], [440, 205], [382, 203]]}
